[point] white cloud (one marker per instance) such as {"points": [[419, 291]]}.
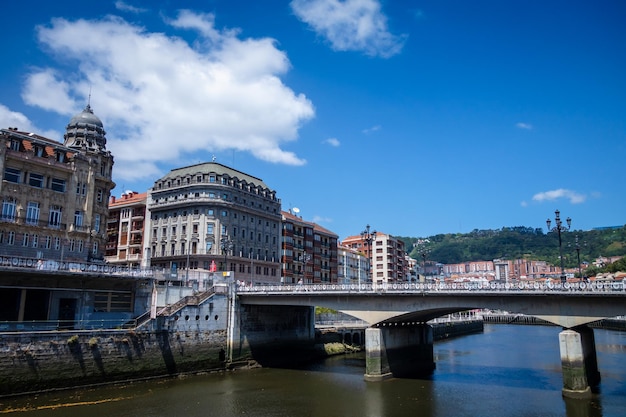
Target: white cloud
{"points": [[572, 196], [350, 25], [164, 100], [10, 118], [333, 142], [321, 220], [125, 7], [372, 129], [522, 125]]}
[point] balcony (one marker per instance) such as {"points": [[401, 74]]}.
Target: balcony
{"points": [[32, 222]]}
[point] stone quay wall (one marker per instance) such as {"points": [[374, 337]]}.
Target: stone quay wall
{"points": [[32, 362]]}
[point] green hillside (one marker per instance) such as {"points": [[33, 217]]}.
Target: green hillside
{"points": [[516, 243]]}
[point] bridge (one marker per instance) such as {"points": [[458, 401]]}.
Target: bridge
{"points": [[564, 304], [399, 340]]}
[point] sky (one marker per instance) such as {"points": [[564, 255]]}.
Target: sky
{"points": [[416, 117]]}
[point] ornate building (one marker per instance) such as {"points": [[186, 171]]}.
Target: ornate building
{"points": [[211, 217], [55, 196]]}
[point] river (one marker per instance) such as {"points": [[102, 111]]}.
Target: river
{"points": [[509, 370]]}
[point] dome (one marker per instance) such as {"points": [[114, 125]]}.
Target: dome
{"points": [[86, 117], [85, 131]]}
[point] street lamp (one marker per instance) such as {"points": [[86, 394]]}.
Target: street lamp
{"points": [[368, 237], [424, 253], [227, 245], [577, 247], [305, 258], [560, 228]]}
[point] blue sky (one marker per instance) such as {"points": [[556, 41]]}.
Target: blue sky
{"points": [[416, 117]]}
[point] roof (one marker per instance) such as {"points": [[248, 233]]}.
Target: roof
{"points": [[290, 216], [128, 199], [32, 137], [217, 168]]}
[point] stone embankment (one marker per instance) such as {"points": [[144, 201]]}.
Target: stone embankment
{"points": [[37, 361]]}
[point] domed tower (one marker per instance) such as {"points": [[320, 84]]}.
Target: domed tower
{"points": [[91, 182], [85, 131]]}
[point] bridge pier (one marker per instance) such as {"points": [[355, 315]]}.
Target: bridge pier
{"points": [[579, 362], [399, 350]]}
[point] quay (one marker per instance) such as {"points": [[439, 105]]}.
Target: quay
{"points": [[213, 323]]}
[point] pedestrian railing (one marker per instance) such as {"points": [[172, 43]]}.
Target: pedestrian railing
{"points": [[462, 287]]}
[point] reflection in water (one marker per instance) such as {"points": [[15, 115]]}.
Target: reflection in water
{"points": [[507, 371]]}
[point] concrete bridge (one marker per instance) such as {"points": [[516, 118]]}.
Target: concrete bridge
{"points": [[399, 340]]}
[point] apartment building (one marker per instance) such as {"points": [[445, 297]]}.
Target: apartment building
{"points": [[386, 256], [353, 266], [208, 217], [308, 251], [54, 195], [126, 229]]}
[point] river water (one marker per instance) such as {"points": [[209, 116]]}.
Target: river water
{"points": [[509, 370]]}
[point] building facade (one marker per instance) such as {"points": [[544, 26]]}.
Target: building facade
{"points": [[386, 257], [210, 217], [126, 229], [353, 266], [55, 195], [308, 252]]}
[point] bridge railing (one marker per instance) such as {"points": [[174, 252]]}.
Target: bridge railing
{"points": [[463, 287]]}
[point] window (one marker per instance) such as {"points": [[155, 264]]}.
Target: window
{"points": [[80, 246], [78, 218], [35, 241], [25, 239], [8, 209], [223, 230], [12, 175], [96, 225], [81, 188], [54, 219], [224, 213], [15, 144], [57, 243], [109, 302], [209, 245], [32, 213], [11, 238], [35, 180], [48, 242], [99, 195], [57, 184], [210, 212]]}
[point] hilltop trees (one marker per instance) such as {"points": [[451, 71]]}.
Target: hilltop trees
{"points": [[519, 243]]}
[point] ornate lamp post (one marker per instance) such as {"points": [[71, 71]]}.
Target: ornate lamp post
{"points": [[305, 258], [423, 264], [368, 237], [577, 247], [226, 245], [560, 228]]}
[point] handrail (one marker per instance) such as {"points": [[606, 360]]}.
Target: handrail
{"points": [[474, 287]]}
